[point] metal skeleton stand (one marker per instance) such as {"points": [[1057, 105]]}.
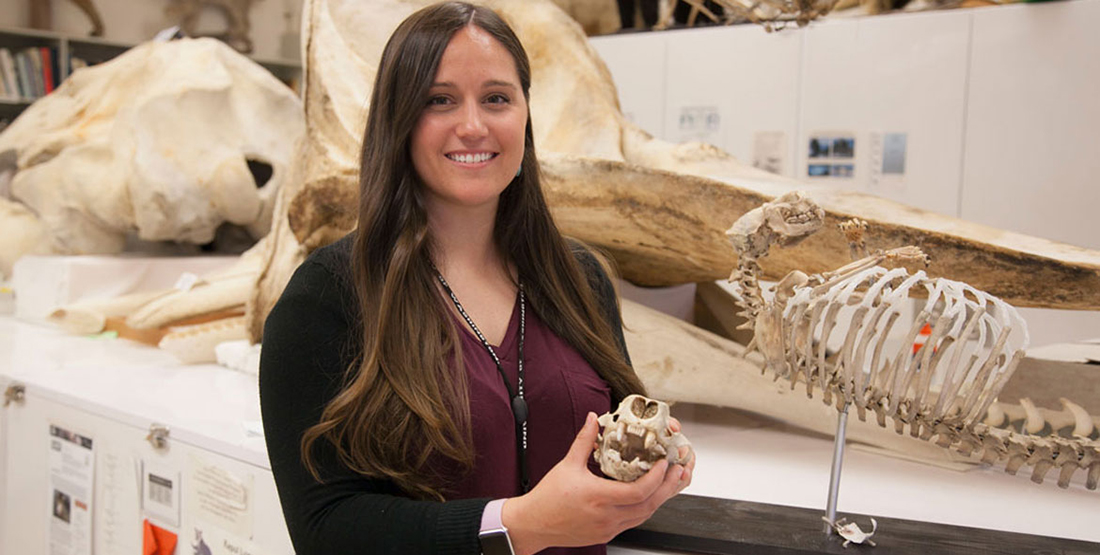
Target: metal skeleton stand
{"points": [[834, 477]]}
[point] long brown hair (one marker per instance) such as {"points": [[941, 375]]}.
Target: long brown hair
{"points": [[403, 405]]}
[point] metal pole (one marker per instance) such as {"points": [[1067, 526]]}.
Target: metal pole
{"points": [[838, 461]]}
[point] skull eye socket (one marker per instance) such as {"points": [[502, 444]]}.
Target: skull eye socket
{"points": [[651, 410]]}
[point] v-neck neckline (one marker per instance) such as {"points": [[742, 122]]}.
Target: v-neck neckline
{"points": [[507, 343]]}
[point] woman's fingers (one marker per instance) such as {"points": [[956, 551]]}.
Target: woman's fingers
{"points": [[636, 513], [630, 493], [583, 444]]}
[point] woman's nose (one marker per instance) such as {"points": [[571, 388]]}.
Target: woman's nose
{"points": [[471, 125]]}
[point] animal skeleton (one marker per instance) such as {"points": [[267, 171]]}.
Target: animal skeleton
{"points": [[657, 208], [661, 222], [90, 10], [941, 390], [186, 12], [635, 437], [771, 14], [42, 15]]}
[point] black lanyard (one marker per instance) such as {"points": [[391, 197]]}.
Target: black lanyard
{"points": [[519, 405]]}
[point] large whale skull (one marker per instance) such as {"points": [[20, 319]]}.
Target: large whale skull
{"points": [[164, 143]]}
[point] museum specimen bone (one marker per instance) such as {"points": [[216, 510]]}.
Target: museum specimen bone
{"points": [[635, 436], [831, 332], [186, 13], [771, 14], [659, 209], [158, 144], [851, 532]]}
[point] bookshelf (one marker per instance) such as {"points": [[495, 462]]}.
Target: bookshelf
{"points": [[91, 50]]}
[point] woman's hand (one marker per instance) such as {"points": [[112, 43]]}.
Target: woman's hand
{"points": [[571, 507]]}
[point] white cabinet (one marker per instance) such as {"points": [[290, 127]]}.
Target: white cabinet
{"points": [[212, 464]]}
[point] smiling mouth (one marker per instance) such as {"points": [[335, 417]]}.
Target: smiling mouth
{"points": [[472, 158]]}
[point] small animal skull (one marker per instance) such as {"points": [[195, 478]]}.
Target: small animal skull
{"points": [[851, 532], [635, 437], [787, 220]]}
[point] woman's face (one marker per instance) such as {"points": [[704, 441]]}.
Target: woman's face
{"points": [[468, 143]]}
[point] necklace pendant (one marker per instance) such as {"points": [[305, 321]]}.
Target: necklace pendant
{"points": [[519, 409]]}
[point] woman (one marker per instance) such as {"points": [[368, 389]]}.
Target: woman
{"points": [[397, 414]]}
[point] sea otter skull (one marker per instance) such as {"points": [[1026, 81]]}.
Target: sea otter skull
{"points": [[635, 437], [787, 220]]}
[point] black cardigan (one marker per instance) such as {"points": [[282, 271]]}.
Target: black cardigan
{"points": [[309, 341]]}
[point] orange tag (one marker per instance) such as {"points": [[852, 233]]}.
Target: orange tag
{"points": [[157, 540]]}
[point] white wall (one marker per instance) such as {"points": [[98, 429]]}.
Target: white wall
{"points": [[887, 75], [134, 21], [999, 107]]}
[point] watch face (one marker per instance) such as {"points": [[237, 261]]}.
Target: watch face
{"points": [[496, 542]]}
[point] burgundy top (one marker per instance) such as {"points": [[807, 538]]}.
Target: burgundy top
{"points": [[560, 389]]}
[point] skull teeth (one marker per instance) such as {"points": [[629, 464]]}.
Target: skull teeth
{"points": [[650, 439]]}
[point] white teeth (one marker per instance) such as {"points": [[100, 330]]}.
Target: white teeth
{"points": [[650, 439], [470, 158]]}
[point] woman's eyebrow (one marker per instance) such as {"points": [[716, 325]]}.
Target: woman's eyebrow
{"points": [[498, 83], [487, 84]]}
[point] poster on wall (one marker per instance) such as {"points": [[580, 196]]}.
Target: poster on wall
{"points": [[700, 123], [219, 497], [160, 493], [831, 154], [218, 509], [72, 471], [887, 160], [769, 151]]}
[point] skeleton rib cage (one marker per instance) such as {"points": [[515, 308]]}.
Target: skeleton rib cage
{"points": [[976, 341], [944, 390]]}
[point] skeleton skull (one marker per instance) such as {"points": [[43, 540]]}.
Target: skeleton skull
{"points": [[635, 437], [788, 219]]}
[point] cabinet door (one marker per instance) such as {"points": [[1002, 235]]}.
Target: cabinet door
{"points": [[229, 505]]}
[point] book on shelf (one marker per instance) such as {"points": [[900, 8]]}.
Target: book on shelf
{"points": [[11, 79], [48, 69], [24, 72], [29, 74], [8, 87], [38, 84]]}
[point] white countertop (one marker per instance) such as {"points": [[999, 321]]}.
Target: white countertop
{"points": [[204, 404], [740, 456]]}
